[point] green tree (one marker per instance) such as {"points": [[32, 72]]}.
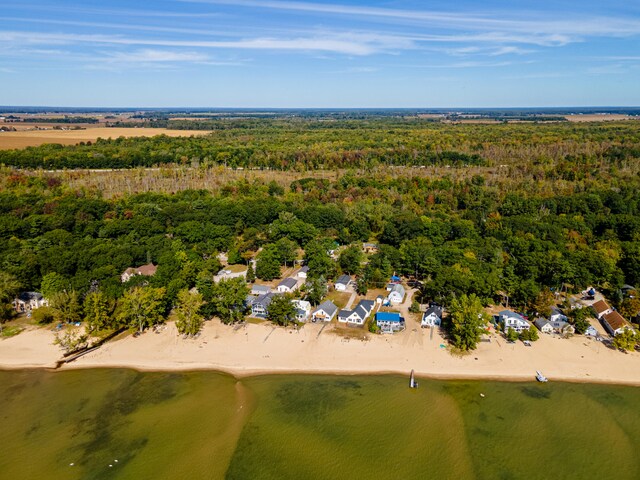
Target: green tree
{"points": [[71, 340], [66, 306], [630, 307], [142, 307], [53, 283], [467, 321], [287, 251], [530, 334], [227, 300], [511, 335], [187, 310], [543, 303], [626, 340], [316, 290], [362, 286], [97, 311], [350, 259], [268, 263], [251, 274], [43, 315], [281, 310], [578, 317], [9, 288]]}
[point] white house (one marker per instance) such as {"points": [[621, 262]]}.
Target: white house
{"points": [[389, 322], [303, 309], [557, 315], [325, 312], [396, 295], [615, 323], [550, 326], [303, 272], [27, 301], [513, 320], [432, 317], [342, 283], [591, 331], [259, 289], [358, 315], [601, 308], [287, 285], [260, 306]]}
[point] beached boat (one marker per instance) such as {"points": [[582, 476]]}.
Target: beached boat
{"points": [[412, 381], [540, 377]]}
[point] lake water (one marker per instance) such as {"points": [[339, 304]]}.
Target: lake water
{"points": [[205, 425]]}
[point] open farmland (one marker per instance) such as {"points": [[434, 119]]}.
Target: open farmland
{"points": [[33, 138]]}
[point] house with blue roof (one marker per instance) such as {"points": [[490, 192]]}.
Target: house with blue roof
{"points": [[389, 322]]}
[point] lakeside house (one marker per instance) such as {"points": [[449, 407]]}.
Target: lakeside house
{"points": [[554, 326], [147, 270], [260, 289], [303, 309], [591, 331], [324, 312], [27, 301], [396, 294], [287, 285], [614, 323], [370, 247], [303, 272], [432, 317], [557, 315], [342, 283], [513, 320], [389, 322], [358, 315], [260, 306], [601, 308]]}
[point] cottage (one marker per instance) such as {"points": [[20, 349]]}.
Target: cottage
{"points": [[513, 320], [358, 315], [303, 272], [615, 323], [389, 322], [147, 270], [601, 308], [303, 310], [551, 326], [432, 317], [396, 295], [27, 301], [287, 285], [380, 299], [259, 289], [260, 306], [591, 331], [342, 283], [557, 315], [325, 312]]}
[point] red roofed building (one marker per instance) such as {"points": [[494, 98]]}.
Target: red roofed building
{"points": [[147, 270]]}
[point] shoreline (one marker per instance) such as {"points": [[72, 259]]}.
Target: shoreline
{"points": [[261, 349]]}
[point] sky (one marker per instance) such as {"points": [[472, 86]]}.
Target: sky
{"points": [[319, 54]]}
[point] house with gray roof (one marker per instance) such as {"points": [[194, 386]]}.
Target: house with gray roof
{"points": [[287, 285], [324, 312], [432, 317], [554, 326], [259, 289], [358, 315], [260, 306], [342, 283], [27, 301], [513, 320], [396, 294]]}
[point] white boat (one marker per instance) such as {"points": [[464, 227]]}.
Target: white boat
{"points": [[540, 377], [412, 381]]}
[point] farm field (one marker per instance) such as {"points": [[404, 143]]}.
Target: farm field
{"points": [[34, 138]]}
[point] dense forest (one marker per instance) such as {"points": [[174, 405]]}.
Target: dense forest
{"points": [[308, 144]]}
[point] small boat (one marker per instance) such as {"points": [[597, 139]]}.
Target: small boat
{"points": [[412, 381], [540, 377]]}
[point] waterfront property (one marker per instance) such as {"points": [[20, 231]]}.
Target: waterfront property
{"points": [[554, 326], [303, 309], [358, 315], [513, 320], [614, 323], [27, 301], [259, 289], [325, 312], [432, 317], [260, 306], [389, 322], [601, 308]]}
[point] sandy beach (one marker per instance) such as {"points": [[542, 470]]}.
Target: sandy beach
{"points": [[255, 349]]}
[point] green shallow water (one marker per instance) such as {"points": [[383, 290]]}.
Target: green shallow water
{"points": [[205, 425]]}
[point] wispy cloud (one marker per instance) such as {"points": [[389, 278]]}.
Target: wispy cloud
{"points": [[345, 43]]}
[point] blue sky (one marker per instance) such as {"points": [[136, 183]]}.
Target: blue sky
{"points": [[347, 53]]}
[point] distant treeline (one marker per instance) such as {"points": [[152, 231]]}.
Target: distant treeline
{"points": [[52, 120], [564, 150]]}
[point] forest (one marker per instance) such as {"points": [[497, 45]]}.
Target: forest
{"points": [[564, 218]]}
